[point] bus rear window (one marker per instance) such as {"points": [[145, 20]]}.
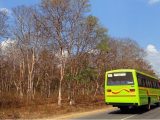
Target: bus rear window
{"points": [[120, 78]]}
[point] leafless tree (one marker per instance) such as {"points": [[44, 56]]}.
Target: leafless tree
{"points": [[3, 23]]}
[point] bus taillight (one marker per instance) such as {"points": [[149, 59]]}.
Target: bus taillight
{"points": [[109, 90], [132, 90]]}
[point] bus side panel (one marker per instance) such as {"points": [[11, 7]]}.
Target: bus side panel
{"points": [[148, 89], [148, 92], [143, 97], [153, 94]]}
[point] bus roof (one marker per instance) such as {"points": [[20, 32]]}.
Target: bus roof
{"points": [[130, 70]]}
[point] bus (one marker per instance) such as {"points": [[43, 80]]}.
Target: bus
{"points": [[129, 88]]}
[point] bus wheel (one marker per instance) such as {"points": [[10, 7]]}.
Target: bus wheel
{"points": [[124, 108], [158, 104]]}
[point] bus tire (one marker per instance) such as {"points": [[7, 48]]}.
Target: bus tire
{"points": [[124, 108], [158, 104]]}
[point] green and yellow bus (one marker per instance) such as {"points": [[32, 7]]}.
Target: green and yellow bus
{"points": [[127, 88]]}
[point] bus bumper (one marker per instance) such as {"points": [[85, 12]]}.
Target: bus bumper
{"points": [[122, 104]]}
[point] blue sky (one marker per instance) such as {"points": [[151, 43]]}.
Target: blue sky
{"points": [[135, 19], [12, 3]]}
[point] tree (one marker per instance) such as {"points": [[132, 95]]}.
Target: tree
{"points": [[28, 43], [65, 17], [126, 53], [3, 23]]}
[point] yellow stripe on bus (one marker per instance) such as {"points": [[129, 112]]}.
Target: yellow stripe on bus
{"points": [[148, 92]]}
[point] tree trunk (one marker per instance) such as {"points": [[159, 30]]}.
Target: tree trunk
{"points": [[60, 93], [31, 63], [97, 87], [62, 67]]}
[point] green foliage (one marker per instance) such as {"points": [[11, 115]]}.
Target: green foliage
{"points": [[103, 45], [85, 75], [91, 21], [103, 38]]}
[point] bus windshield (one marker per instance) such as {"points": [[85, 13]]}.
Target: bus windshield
{"points": [[125, 78]]}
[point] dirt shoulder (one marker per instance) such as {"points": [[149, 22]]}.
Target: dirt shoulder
{"points": [[80, 114], [75, 111], [52, 110]]}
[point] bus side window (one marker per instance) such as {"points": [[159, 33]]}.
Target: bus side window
{"points": [[154, 85], [151, 85], [148, 83], [139, 78], [152, 82], [159, 84], [143, 82], [139, 81]]}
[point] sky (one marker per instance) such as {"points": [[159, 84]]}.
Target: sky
{"points": [[13, 3], [135, 19]]}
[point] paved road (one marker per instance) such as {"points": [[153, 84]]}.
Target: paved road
{"points": [[139, 113]]}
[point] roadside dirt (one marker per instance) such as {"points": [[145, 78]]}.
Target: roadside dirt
{"points": [[80, 114], [50, 110]]}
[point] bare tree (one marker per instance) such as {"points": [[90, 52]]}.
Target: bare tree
{"points": [[3, 23], [27, 40], [65, 17]]}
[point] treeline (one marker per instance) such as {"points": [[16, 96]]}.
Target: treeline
{"points": [[58, 50]]}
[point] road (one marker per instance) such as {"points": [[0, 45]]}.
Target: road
{"points": [[138, 113]]}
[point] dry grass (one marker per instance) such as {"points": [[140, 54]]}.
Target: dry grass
{"points": [[43, 108]]}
